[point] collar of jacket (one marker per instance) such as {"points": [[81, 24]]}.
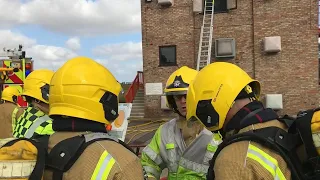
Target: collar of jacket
{"points": [[252, 113], [71, 124], [41, 108]]}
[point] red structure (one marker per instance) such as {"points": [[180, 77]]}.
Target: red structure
{"points": [[134, 87]]}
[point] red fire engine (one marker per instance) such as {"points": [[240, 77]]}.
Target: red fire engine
{"points": [[15, 67]]}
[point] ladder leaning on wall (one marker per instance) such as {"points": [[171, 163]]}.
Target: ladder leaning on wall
{"points": [[205, 44]]}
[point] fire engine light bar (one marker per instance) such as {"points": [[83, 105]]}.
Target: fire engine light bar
{"points": [[11, 54], [28, 66], [27, 72]]}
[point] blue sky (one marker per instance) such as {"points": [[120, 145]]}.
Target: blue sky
{"points": [[53, 31]]}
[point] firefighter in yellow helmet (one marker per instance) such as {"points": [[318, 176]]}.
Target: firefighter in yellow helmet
{"points": [[83, 104], [184, 148], [9, 111], [35, 122], [224, 97]]}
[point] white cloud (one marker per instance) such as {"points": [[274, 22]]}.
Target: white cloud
{"points": [[7, 8], [44, 56], [120, 51], [123, 59], [52, 57], [9, 39], [74, 17], [73, 43], [123, 71]]}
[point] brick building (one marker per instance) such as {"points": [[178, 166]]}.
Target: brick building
{"points": [[173, 31]]}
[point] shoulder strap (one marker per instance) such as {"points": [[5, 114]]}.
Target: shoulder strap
{"points": [[41, 144], [272, 137], [65, 153], [287, 120], [303, 126]]}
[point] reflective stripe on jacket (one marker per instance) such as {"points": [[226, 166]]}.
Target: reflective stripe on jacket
{"points": [[167, 149], [9, 113], [250, 160], [33, 122], [14, 118], [105, 159], [266, 161]]}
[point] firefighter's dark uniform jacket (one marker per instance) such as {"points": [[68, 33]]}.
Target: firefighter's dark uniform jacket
{"points": [[249, 160], [9, 114]]}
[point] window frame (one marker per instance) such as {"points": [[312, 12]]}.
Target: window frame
{"points": [[161, 63], [217, 11]]}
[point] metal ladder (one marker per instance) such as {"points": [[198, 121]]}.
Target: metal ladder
{"points": [[205, 44]]}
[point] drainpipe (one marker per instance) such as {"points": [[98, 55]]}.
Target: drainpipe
{"points": [[253, 39], [194, 39]]}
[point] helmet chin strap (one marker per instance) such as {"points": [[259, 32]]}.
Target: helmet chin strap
{"points": [[178, 112]]}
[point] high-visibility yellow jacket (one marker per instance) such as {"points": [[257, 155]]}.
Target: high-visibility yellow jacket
{"points": [[168, 149]]}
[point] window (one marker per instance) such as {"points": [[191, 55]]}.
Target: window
{"points": [[167, 56], [220, 6]]}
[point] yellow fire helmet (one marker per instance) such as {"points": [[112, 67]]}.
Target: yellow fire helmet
{"points": [[83, 88], [10, 94], [213, 92], [177, 84], [37, 84], [315, 130]]}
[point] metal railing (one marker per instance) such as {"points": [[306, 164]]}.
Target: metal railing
{"points": [[134, 87]]}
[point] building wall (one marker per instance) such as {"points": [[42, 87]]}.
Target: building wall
{"points": [[293, 72], [160, 26]]}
